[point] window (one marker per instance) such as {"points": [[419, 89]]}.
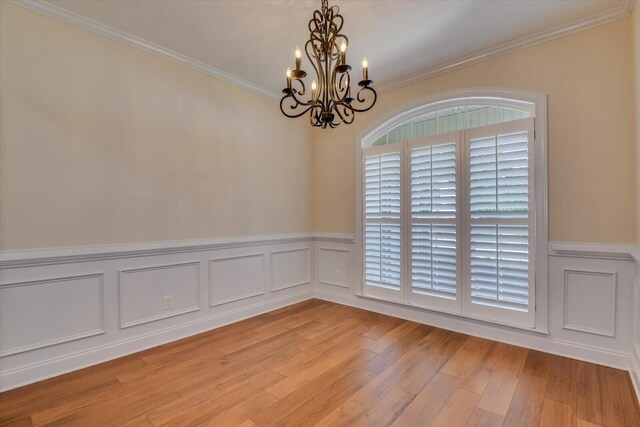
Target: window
{"points": [[449, 210]]}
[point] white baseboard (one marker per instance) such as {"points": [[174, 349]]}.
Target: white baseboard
{"points": [[496, 333], [72, 362]]}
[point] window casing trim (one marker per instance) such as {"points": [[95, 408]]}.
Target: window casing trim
{"points": [[501, 97]]}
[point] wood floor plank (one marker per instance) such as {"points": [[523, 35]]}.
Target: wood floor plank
{"points": [[465, 361], [320, 396], [413, 370], [556, 414], [502, 384], [537, 363], [482, 418], [387, 410], [457, 410], [527, 403], [561, 380], [619, 404], [588, 393], [319, 363], [404, 342], [426, 406], [345, 415]]}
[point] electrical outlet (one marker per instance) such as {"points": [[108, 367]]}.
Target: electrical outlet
{"points": [[338, 276], [167, 302]]}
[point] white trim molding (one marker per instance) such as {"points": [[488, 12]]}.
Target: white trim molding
{"points": [[51, 256], [61, 14], [592, 250]]}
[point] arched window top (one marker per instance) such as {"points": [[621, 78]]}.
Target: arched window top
{"points": [[447, 116]]}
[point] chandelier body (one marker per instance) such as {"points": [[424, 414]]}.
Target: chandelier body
{"points": [[330, 102]]}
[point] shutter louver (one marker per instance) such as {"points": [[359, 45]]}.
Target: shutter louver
{"points": [[500, 266], [433, 263], [382, 244], [433, 222], [382, 260], [499, 177]]}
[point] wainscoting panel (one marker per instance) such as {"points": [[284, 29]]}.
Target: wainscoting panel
{"points": [[143, 291], [335, 266], [41, 313], [290, 268], [590, 302], [237, 277]]}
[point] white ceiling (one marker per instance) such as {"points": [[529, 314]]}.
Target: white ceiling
{"points": [[254, 40]]}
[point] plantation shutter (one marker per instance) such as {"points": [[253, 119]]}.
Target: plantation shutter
{"points": [[382, 186], [499, 230], [433, 224]]}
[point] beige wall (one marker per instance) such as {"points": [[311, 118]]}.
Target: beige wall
{"points": [[636, 55], [587, 76], [102, 143]]}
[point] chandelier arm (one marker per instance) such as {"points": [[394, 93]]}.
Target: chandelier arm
{"points": [[345, 116], [294, 107], [362, 100], [297, 100]]}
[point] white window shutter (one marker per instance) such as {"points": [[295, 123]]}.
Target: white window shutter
{"points": [[382, 221], [499, 230], [434, 264]]}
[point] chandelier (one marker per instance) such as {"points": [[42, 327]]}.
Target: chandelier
{"points": [[330, 102]]}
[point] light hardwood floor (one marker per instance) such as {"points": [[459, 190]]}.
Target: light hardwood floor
{"points": [[318, 363]]}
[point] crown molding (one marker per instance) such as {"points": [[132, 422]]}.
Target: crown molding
{"points": [[622, 11], [100, 29], [64, 15]]}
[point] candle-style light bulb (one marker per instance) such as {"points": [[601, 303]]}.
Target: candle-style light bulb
{"points": [[298, 58], [314, 86], [288, 77], [343, 52], [365, 69]]}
